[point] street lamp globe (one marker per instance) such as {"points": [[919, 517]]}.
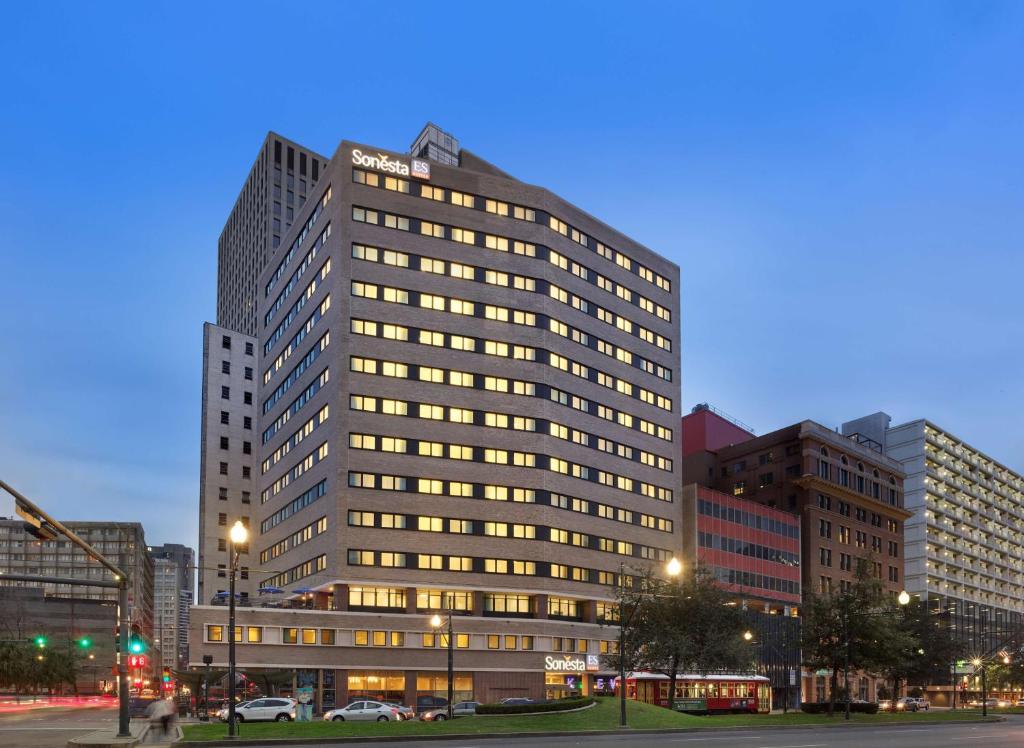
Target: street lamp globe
{"points": [[674, 567], [748, 635], [976, 662], [435, 621], [904, 598], [238, 533]]}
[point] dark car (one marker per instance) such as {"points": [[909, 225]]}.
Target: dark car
{"points": [[513, 700], [426, 703]]}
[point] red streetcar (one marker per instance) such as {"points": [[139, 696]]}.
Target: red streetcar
{"points": [[703, 694]]}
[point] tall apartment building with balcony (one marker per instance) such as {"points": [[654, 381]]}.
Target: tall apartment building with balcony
{"points": [[965, 541], [467, 398]]}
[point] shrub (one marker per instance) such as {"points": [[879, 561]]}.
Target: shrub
{"points": [[562, 705], [870, 707]]}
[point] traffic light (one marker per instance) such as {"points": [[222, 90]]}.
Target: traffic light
{"points": [[85, 642], [167, 675], [136, 646], [40, 641]]}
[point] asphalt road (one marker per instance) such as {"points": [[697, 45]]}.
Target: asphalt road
{"points": [[1008, 734], [52, 726]]}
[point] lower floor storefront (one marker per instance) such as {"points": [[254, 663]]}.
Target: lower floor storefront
{"points": [[421, 689]]}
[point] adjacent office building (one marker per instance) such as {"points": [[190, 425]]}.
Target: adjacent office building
{"points": [[124, 543], [466, 399], [848, 494], [81, 626], [173, 591], [964, 544], [753, 551]]}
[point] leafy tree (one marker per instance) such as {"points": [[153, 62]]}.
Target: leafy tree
{"points": [[920, 646], [851, 628], [683, 626]]}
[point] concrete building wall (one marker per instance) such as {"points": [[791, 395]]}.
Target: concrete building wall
{"points": [[227, 473]]}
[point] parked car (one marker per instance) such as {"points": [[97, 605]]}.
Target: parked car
{"points": [[461, 709], [404, 712], [222, 712], [990, 703], [911, 704], [274, 709], [426, 703], [364, 711], [512, 700]]}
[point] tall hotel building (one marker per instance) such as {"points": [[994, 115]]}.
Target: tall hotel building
{"points": [[964, 542], [466, 398]]}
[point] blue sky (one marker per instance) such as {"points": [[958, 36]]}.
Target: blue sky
{"points": [[840, 184]]}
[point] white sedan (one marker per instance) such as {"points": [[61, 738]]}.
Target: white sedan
{"points": [[364, 711]]}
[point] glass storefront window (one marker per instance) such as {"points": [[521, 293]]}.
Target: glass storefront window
{"points": [[376, 685], [437, 685]]}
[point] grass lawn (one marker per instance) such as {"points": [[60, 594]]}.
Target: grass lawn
{"points": [[603, 716]]}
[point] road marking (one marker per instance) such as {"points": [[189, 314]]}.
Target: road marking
{"points": [[805, 745], [700, 740]]}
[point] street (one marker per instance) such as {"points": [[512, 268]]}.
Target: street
{"points": [[997, 735], [45, 724]]}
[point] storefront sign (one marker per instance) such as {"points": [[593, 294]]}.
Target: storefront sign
{"points": [[572, 664], [383, 162]]}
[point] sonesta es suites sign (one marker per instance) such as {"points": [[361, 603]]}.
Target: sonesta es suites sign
{"points": [[383, 162], [571, 664]]}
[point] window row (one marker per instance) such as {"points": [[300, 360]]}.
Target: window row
{"points": [[460, 526], [756, 581], [295, 308], [299, 336], [458, 378], [535, 460], [298, 371], [478, 565], [503, 244], [298, 470], [524, 283], [294, 574], [491, 492], [300, 271], [294, 540], [520, 212], [748, 519], [750, 550], [296, 405], [310, 223], [295, 439], [861, 514], [436, 302], [492, 419], [500, 349]]}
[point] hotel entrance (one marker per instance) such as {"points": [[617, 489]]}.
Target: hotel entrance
{"points": [[565, 685]]}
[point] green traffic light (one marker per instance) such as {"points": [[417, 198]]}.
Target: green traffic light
{"points": [[85, 643], [136, 647], [40, 641]]}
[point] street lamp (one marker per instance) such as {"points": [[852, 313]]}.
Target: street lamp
{"points": [[436, 622], [239, 534], [978, 663], [673, 569], [747, 636]]}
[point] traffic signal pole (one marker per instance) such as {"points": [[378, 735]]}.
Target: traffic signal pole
{"points": [[36, 517]]}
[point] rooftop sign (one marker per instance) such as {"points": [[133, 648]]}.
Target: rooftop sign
{"points": [[383, 162]]}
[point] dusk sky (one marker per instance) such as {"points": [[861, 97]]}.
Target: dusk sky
{"points": [[842, 186]]}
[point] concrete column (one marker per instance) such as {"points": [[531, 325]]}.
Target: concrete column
{"points": [[540, 606], [341, 597], [410, 688], [320, 600], [341, 685]]}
